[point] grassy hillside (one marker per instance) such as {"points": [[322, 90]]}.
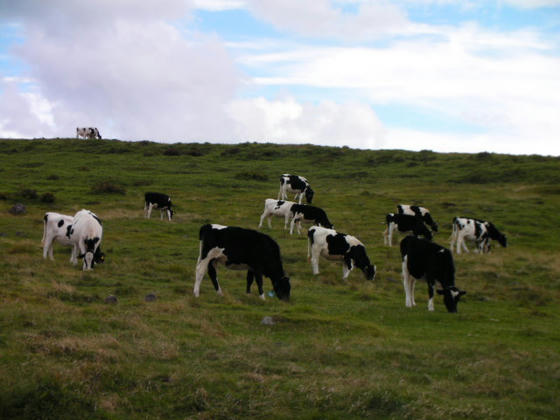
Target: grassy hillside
{"points": [[337, 350]]}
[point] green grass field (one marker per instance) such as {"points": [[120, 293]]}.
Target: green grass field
{"points": [[336, 350]]}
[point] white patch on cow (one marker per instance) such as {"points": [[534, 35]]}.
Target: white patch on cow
{"points": [[408, 284], [218, 227], [454, 293], [202, 266]]}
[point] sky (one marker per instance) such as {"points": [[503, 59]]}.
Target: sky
{"points": [[442, 75]]}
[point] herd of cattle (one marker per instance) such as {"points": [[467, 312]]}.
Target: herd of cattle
{"points": [[259, 254]]}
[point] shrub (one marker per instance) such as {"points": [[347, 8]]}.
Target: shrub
{"points": [[108, 187], [47, 198], [251, 176], [28, 193], [171, 151]]}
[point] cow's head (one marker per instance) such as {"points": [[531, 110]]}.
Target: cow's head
{"points": [[495, 234], [361, 260], [309, 194], [170, 212], [451, 296], [90, 255], [282, 288]]}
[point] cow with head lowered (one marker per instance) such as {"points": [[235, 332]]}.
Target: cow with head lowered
{"points": [[423, 259], [421, 212], [479, 231], [85, 234], [333, 245], [297, 185], [308, 214], [404, 223], [241, 249]]}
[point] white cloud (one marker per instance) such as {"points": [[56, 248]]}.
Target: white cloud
{"points": [[289, 121]]}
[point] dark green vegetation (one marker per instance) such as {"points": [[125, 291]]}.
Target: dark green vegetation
{"points": [[337, 350]]}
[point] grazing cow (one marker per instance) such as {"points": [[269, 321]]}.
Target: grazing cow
{"points": [[338, 246], [479, 231], [308, 214], [295, 184], [425, 259], [85, 234], [404, 223], [420, 212], [241, 249], [277, 208], [159, 201], [55, 226], [91, 133]]}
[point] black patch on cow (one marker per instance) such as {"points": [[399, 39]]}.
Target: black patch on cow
{"points": [[337, 244], [60, 223], [46, 218], [69, 231], [97, 218], [296, 183], [279, 203]]}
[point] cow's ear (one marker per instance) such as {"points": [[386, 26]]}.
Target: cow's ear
{"points": [[440, 292]]}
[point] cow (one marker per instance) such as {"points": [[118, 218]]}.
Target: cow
{"points": [[423, 259], [420, 212], [295, 184], [333, 245], [241, 249], [55, 226], [308, 214], [159, 201], [85, 234], [91, 133], [279, 208], [404, 223], [479, 231]]}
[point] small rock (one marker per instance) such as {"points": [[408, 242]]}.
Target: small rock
{"points": [[111, 299], [268, 320], [18, 209], [150, 297]]}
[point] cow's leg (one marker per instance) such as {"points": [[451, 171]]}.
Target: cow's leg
{"points": [[250, 278], [150, 207], [74, 256], [315, 253], [259, 279], [431, 297], [459, 242], [292, 223], [346, 267], [47, 246], [214, 276], [286, 220], [168, 211], [145, 209], [407, 278], [300, 197], [265, 214]]}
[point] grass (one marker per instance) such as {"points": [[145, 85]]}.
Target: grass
{"points": [[337, 350]]}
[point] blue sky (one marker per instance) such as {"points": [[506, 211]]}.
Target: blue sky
{"points": [[445, 75]]}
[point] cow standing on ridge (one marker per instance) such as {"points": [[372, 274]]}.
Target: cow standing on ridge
{"points": [[91, 133], [297, 185], [241, 249], [423, 259]]}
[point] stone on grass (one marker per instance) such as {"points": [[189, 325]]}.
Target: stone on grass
{"points": [[111, 299], [18, 209], [150, 297]]}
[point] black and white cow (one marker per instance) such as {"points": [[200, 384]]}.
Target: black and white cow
{"points": [[423, 259], [279, 208], [420, 212], [297, 185], [404, 223], [332, 245], [479, 231], [55, 227], [159, 201], [85, 234], [308, 214], [88, 133], [241, 249]]}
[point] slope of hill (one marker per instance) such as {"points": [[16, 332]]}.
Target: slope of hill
{"points": [[339, 349]]}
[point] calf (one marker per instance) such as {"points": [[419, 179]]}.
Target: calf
{"points": [[423, 259], [308, 214], [88, 133], [159, 201], [295, 184], [277, 208], [55, 226], [85, 234], [421, 212], [404, 223], [479, 231], [241, 249], [338, 246]]}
